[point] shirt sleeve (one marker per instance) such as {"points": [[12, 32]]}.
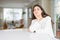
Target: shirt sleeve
{"points": [[49, 29], [30, 28]]}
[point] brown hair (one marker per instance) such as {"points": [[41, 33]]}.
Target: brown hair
{"points": [[44, 14]]}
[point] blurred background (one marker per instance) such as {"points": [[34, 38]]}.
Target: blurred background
{"points": [[16, 14]]}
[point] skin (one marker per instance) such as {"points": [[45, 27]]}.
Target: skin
{"points": [[37, 12]]}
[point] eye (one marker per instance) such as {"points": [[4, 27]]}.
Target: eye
{"points": [[38, 9], [34, 9]]}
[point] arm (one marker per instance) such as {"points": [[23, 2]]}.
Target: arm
{"points": [[48, 26], [30, 27]]}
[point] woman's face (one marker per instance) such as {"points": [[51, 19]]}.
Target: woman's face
{"points": [[37, 11]]}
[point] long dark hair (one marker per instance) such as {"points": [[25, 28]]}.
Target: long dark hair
{"points": [[44, 14]]}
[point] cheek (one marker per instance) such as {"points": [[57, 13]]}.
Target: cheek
{"points": [[34, 13], [40, 11]]}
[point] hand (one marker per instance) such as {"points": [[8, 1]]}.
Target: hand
{"points": [[29, 30]]}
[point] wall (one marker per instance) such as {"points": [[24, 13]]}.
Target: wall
{"points": [[1, 16]]}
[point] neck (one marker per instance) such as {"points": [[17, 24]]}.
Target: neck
{"points": [[39, 18]]}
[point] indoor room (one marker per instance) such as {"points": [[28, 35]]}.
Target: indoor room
{"points": [[16, 18]]}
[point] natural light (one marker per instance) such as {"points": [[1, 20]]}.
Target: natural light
{"points": [[12, 14]]}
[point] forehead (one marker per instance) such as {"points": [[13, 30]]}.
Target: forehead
{"points": [[36, 7]]}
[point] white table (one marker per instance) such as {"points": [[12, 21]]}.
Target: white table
{"points": [[15, 34]]}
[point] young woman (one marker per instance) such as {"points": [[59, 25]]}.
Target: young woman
{"points": [[41, 27]]}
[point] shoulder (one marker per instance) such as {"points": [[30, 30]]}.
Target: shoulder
{"points": [[48, 18]]}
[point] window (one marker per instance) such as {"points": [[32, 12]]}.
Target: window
{"points": [[57, 11], [12, 14]]}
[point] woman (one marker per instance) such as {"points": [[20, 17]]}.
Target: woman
{"points": [[41, 27]]}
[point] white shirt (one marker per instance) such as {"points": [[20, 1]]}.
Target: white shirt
{"points": [[42, 27]]}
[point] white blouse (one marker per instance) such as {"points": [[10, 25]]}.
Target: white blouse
{"points": [[42, 27]]}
